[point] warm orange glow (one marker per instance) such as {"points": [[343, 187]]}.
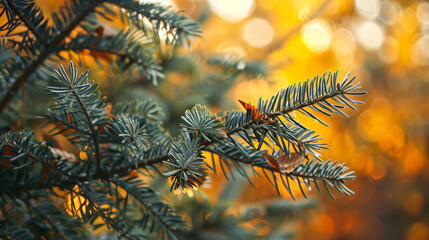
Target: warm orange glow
{"points": [[83, 155], [413, 161], [75, 204], [264, 231], [413, 203], [348, 223], [418, 231], [324, 226], [188, 191], [375, 170]]}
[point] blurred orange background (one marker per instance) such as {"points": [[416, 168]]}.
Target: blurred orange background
{"points": [[386, 45]]}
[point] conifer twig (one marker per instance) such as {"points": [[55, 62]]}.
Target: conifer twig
{"points": [[26, 22], [45, 54]]}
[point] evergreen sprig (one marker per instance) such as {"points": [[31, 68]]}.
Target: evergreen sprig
{"points": [[199, 121], [78, 99], [33, 58], [129, 134], [56, 223], [315, 94], [25, 162], [186, 163], [26, 13], [177, 26], [125, 47], [158, 216]]}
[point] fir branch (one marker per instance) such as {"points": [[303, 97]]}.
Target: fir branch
{"points": [[18, 232], [306, 94], [46, 159], [176, 24], [82, 83], [34, 11], [149, 199], [128, 132], [52, 45], [200, 122], [295, 103], [186, 163], [147, 109], [97, 201], [310, 171], [106, 174], [16, 147], [124, 45]]}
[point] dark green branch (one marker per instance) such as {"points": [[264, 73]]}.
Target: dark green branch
{"points": [[46, 218], [95, 200], [93, 131], [102, 174], [67, 124], [26, 22], [133, 192], [131, 58], [313, 102], [45, 54], [40, 160], [269, 168], [148, 162], [289, 110]]}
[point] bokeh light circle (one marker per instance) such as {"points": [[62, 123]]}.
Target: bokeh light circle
{"points": [[258, 32], [389, 51], [370, 35], [389, 12], [317, 35], [420, 51], [423, 13], [232, 11], [344, 45], [368, 9]]}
